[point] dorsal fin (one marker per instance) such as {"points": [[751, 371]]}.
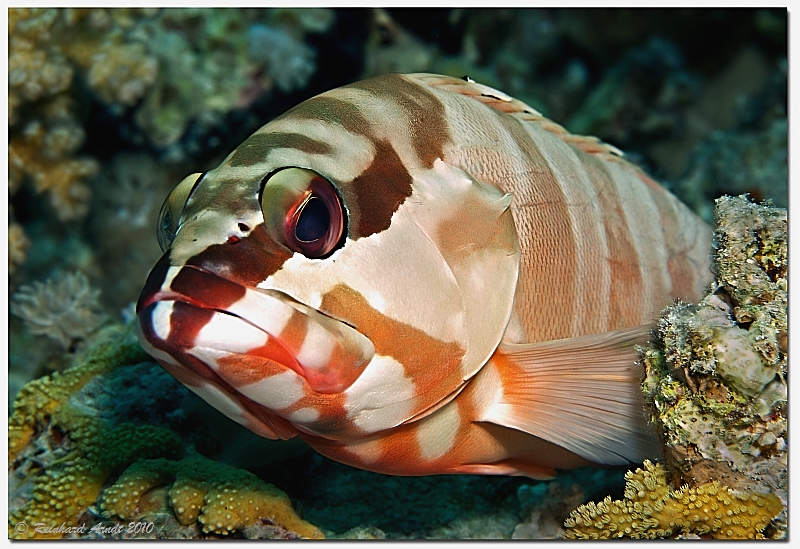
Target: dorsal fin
{"points": [[507, 104], [582, 394]]}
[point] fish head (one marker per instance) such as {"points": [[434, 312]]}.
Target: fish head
{"points": [[326, 278]]}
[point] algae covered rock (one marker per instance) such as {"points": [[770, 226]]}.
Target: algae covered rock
{"points": [[716, 377]]}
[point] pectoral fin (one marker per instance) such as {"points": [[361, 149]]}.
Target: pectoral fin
{"points": [[582, 394]]}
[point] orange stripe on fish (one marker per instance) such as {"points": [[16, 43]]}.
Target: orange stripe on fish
{"points": [[419, 275]]}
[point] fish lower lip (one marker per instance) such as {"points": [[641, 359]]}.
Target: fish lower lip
{"points": [[218, 315]]}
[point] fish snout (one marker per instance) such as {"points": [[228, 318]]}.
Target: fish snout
{"points": [[210, 324]]}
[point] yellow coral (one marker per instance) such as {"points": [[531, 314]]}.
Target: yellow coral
{"points": [[18, 244], [65, 487], [35, 155], [651, 510], [224, 499], [122, 73]]}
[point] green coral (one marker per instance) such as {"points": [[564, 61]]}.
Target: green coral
{"points": [[86, 450], [651, 510], [222, 498]]}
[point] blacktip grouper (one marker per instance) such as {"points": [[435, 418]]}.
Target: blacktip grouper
{"points": [[418, 274]]}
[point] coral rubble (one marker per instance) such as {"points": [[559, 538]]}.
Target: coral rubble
{"points": [[651, 510], [223, 499]]}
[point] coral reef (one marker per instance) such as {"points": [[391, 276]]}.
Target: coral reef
{"points": [[223, 499], [64, 308], [60, 455], [716, 379], [42, 153], [126, 200], [735, 162], [70, 434], [141, 97], [651, 510]]}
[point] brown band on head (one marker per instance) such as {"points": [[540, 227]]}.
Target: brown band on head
{"points": [[247, 262], [255, 147], [379, 191], [330, 109], [425, 113]]}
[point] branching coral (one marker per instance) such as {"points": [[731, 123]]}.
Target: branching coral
{"points": [[64, 309], [651, 510], [43, 153], [59, 454], [223, 499]]}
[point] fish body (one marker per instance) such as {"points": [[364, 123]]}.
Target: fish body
{"points": [[419, 275]]}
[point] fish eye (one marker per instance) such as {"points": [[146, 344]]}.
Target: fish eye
{"points": [[303, 211], [170, 215]]}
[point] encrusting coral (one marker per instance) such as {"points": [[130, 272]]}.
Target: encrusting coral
{"points": [[60, 455], [222, 498], [651, 510]]}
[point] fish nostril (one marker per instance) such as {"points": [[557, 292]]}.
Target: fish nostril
{"points": [[244, 227]]}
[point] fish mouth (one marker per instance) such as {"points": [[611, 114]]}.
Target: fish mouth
{"points": [[210, 324]]}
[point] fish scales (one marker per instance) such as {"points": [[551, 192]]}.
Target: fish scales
{"points": [[419, 275]]}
